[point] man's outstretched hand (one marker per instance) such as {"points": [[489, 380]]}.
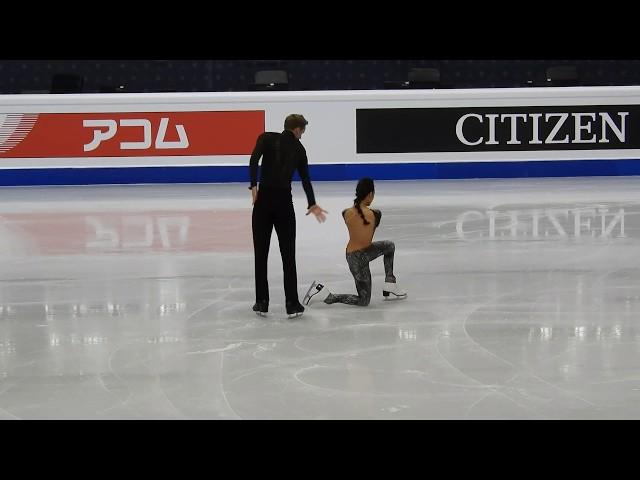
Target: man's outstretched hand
{"points": [[318, 212]]}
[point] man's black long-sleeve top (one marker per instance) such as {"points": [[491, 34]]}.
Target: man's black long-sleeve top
{"points": [[282, 154]]}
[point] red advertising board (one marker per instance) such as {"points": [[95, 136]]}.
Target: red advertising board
{"points": [[132, 134]]}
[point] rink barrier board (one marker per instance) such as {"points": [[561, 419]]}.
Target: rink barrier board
{"points": [[343, 172], [207, 137]]}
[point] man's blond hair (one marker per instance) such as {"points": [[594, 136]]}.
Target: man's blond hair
{"points": [[294, 121]]}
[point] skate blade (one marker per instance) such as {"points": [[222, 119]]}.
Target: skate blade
{"points": [[295, 315], [261, 314], [307, 300], [310, 293], [392, 297]]}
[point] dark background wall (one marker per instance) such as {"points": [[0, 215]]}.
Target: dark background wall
{"points": [[35, 76]]}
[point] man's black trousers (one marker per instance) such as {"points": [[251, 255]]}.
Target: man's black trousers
{"points": [[274, 208]]}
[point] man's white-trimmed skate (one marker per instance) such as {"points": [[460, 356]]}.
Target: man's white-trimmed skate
{"points": [[261, 308], [391, 291], [317, 293], [294, 310]]}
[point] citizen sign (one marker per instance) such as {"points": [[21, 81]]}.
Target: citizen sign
{"points": [[498, 129], [539, 128]]}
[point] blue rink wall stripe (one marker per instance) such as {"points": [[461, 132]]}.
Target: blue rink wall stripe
{"points": [[335, 172]]}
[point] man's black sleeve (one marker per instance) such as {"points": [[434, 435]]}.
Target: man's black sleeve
{"points": [[253, 162], [303, 170]]}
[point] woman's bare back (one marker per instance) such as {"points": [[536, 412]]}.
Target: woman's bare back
{"points": [[360, 235]]}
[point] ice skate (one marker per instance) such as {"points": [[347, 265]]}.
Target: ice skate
{"points": [[317, 293], [261, 308], [294, 309], [391, 291]]}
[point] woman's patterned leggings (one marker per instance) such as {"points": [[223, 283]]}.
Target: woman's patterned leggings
{"points": [[358, 262]]}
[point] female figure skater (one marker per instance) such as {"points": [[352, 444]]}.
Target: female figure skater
{"points": [[361, 222]]}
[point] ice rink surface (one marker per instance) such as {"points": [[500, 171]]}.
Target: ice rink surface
{"points": [[134, 302]]}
